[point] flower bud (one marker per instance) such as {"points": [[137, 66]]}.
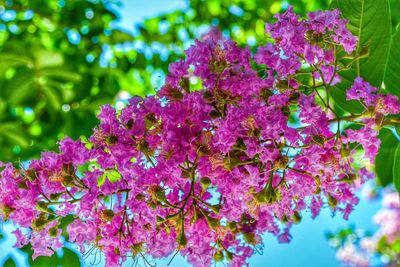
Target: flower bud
{"points": [[140, 196], [57, 177], [205, 182], [185, 84], [31, 175], [229, 255], [271, 195], [216, 208], [285, 110], [159, 194], [332, 202], [284, 218], [282, 85], [41, 222], [260, 196], [186, 173], [171, 92], [214, 114], [42, 206], [67, 180], [197, 214], [212, 222], [349, 178], [281, 162], [218, 256], [142, 146], [55, 196], [22, 185], [232, 226], [265, 93], [344, 152], [208, 97], [137, 248], [294, 98], [150, 121], [296, 217], [249, 238], [53, 231], [111, 140], [160, 219], [6, 210], [181, 239], [129, 124], [319, 140], [106, 215]]}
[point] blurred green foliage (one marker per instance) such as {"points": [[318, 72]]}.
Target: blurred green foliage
{"points": [[53, 75]]}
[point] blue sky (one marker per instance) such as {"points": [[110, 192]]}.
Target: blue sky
{"points": [[134, 11]]}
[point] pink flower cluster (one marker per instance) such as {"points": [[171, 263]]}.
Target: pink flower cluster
{"points": [[368, 96], [383, 246], [205, 172]]}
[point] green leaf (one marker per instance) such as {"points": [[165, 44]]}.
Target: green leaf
{"points": [[40, 261], [113, 175], [52, 97], [70, 258], [392, 74], [101, 180], [118, 37], [384, 161], [370, 21], [110, 174], [20, 87], [45, 58], [62, 74], [16, 137], [8, 60], [396, 169], [64, 222], [14, 133], [9, 263]]}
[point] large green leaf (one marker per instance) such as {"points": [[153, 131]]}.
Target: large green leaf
{"points": [[384, 161], [8, 60], [52, 97], [40, 261], [70, 258], [45, 58], [9, 263], [19, 88], [392, 74], [370, 21], [396, 169], [65, 221], [14, 133], [62, 74], [16, 137]]}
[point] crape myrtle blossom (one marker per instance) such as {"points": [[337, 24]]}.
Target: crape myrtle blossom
{"points": [[207, 172], [382, 247]]}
